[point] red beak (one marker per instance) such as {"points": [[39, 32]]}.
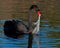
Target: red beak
{"points": [[39, 13]]}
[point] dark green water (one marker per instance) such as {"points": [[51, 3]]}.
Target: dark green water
{"points": [[48, 37]]}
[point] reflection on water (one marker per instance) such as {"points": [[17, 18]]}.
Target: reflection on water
{"points": [[49, 37]]}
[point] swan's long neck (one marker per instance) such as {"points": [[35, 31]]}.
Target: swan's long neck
{"points": [[36, 29]]}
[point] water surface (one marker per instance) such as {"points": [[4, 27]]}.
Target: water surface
{"points": [[48, 37]]}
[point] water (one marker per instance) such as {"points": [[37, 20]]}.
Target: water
{"points": [[48, 37]]}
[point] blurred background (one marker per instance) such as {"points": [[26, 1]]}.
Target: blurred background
{"points": [[18, 9], [49, 34]]}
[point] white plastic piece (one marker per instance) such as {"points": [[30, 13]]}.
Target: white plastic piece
{"points": [[36, 29]]}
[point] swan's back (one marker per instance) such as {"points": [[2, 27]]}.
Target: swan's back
{"points": [[14, 28]]}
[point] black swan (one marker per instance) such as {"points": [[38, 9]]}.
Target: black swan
{"points": [[16, 28]]}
